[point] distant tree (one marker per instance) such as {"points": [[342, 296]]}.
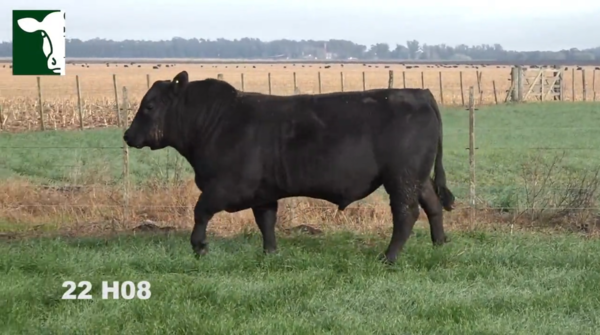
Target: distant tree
{"points": [[253, 48]]}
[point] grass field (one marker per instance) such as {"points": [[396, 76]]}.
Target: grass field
{"points": [[19, 94], [480, 283]]}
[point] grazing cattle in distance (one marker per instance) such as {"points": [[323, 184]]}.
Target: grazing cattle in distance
{"points": [[248, 150], [53, 33]]}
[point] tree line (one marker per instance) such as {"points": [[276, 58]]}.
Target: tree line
{"points": [[254, 48]]}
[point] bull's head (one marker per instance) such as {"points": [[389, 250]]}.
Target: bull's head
{"points": [[149, 124], [53, 45]]}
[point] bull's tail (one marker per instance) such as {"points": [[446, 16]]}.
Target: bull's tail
{"points": [[439, 175]]}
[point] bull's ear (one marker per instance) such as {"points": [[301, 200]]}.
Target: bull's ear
{"points": [[180, 80]]}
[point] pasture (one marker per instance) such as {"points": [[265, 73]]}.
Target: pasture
{"points": [[536, 166], [480, 283]]}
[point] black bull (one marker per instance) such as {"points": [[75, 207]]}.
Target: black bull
{"points": [[249, 150]]}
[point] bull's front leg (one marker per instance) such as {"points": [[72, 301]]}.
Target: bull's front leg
{"points": [[266, 217], [203, 213]]}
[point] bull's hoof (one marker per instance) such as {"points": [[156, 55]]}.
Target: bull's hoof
{"points": [[200, 250], [270, 251], [440, 242], [383, 258]]}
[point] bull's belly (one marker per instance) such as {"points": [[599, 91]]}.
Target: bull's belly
{"points": [[340, 194]]}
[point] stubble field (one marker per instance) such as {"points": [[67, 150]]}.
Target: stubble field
{"points": [[525, 263], [19, 95]]}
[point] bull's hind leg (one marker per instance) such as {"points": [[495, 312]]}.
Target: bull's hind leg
{"points": [[432, 206], [266, 217], [405, 211]]}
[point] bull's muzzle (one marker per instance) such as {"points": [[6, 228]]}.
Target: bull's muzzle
{"points": [[127, 139]]}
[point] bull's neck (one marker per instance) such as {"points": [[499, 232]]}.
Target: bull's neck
{"points": [[190, 131]]}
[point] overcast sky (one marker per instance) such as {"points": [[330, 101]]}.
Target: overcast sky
{"points": [[515, 24]]}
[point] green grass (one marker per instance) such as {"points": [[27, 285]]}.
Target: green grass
{"points": [[506, 136], [480, 283]]}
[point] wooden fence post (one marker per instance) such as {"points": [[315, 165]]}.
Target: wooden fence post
{"points": [[242, 79], [441, 89], [583, 84], [364, 80], [479, 91], [79, 107], [495, 94], [295, 83], [391, 79], [41, 103], [594, 85], [573, 84], [520, 82], [472, 152], [148, 80], [462, 91], [117, 100], [125, 158], [422, 80], [269, 79], [342, 81], [403, 79], [319, 80]]}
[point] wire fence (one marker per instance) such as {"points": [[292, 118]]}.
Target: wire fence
{"points": [[540, 168]]}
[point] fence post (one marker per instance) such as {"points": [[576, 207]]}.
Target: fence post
{"points": [[242, 79], [148, 80], [295, 82], [391, 79], [514, 79], [79, 107], [495, 95], [472, 152], [441, 89], [125, 158], [41, 103], [594, 84], [117, 100], [573, 84], [319, 79], [403, 79], [269, 78], [583, 84], [479, 91], [364, 79], [462, 91], [520, 81], [422, 80], [342, 81]]}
